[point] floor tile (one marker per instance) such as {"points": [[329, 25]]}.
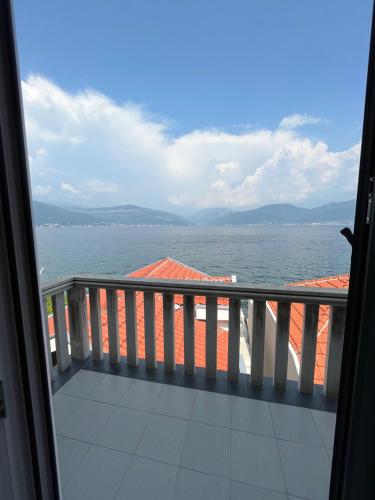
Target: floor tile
{"points": [[70, 453], [163, 439], [176, 401], [142, 395], [64, 408], [212, 408], [98, 476], [250, 415], [195, 485], [255, 460], [207, 449], [82, 383], [242, 491], [111, 389], [326, 423], [147, 479], [123, 430], [88, 422], [307, 470], [295, 424]]}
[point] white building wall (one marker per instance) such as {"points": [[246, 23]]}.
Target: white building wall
{"points": [[269, 345]]}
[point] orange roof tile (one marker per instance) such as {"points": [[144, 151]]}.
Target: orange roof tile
{"points": [[167, 268], [296, 322]]}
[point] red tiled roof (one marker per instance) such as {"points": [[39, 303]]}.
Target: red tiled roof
{"points": [[296, 322], [166, 268], [169, 268]]}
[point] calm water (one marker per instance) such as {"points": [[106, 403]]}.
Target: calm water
{"points": [[256, 254]]}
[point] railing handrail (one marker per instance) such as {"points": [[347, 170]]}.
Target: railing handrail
{"points": [[306, 295], [81, 289], [54, 287]]}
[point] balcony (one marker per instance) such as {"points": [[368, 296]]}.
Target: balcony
{"points": [[137, 427]]}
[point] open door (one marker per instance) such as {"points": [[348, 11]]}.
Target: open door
{"points": [[28, 466]]}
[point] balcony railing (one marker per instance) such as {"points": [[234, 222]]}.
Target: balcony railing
{"points": [[77, 290]]}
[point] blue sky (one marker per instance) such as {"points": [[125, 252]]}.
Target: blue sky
{"points": [[192, 74]]}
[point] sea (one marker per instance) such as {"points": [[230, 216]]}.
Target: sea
{"points": [[259, 254]]}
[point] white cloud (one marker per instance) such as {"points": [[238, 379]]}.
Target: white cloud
{"points": [[85, 145], [65, 186], [39, 154], [297, 120], [229, 166]]}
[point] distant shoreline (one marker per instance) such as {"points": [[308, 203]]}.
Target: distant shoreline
{"points": [[136, 216], [276, 224]]}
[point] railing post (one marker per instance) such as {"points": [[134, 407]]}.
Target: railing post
{"points": [[189, 335], [309, 335], [131, 328], [152, 290], [257, 345], [168, 320], [150, 343], [113, 333], [211, 336], [61, 335], [79, 338], [96, 324], [281, 346], [234, 339], [334, 351]]}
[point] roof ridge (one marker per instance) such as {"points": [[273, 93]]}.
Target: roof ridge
{"points": [[162, 263], [320, 280], [159, 263], [156, 267], [189, 267]]}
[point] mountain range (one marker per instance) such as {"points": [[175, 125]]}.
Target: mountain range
{"points": [[282, 213], [208, 215], [45, 214]]}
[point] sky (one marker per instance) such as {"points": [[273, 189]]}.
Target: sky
{"points": [[181, 105]]}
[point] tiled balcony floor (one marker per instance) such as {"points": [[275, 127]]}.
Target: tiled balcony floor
{"points": [[121, 438]]}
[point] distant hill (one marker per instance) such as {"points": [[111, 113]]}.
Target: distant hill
{"points": [[122, 214], [207, 215], [50, 214], [284, 213], [134, 215]]}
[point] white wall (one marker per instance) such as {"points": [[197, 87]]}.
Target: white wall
{"points": [[269, 346]]}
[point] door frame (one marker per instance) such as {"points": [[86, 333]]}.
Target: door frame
{"points": [[27, 453], [353, 457]]}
